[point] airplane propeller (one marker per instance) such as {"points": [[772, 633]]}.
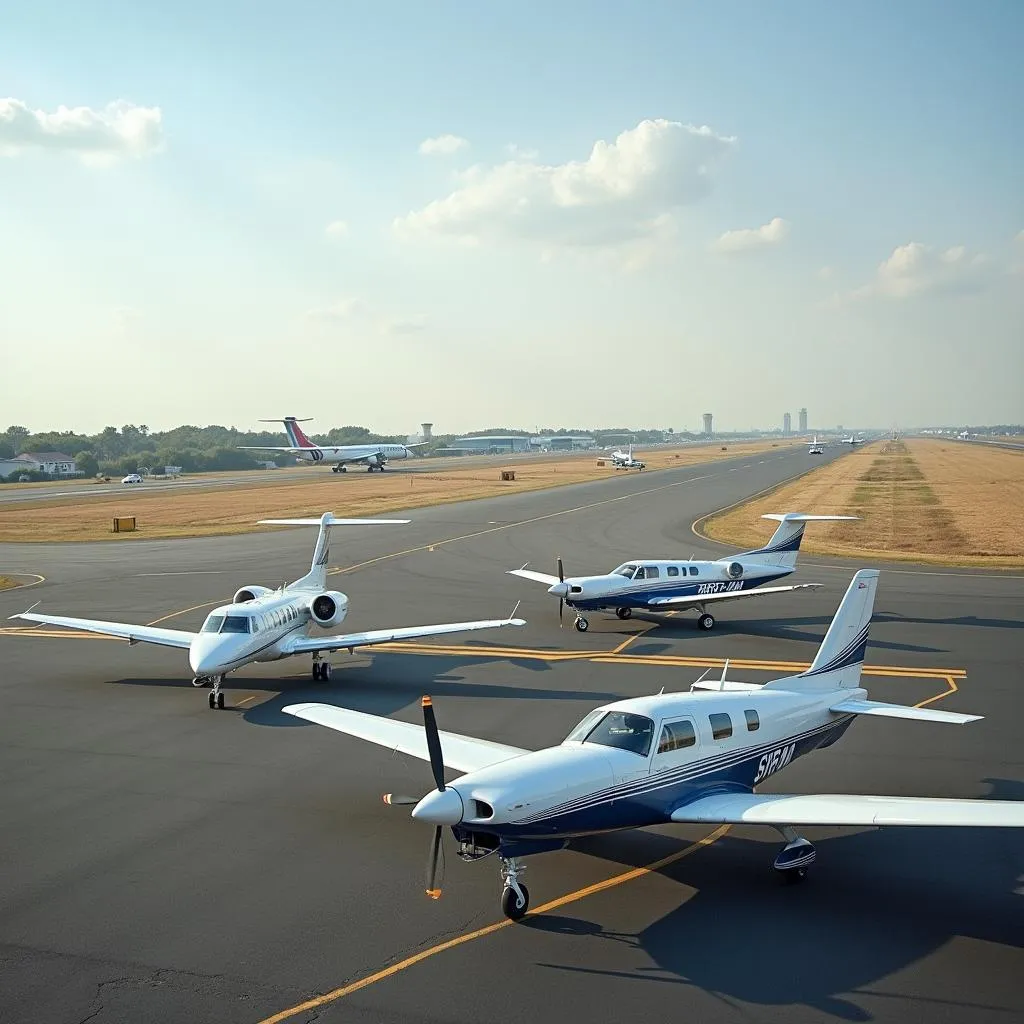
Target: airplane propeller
{"points": [[561, 599]]}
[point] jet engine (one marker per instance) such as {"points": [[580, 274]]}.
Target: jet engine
{"points": [[249, 594], [734, 570], [329, 608]]}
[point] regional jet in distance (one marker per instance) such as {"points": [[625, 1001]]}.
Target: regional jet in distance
{"points": [[261, 624], [337, 456]]}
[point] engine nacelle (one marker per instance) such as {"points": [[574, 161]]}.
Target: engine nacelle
{"points": [[734, 570], [249, 594], [376, 460], [329, 608]]}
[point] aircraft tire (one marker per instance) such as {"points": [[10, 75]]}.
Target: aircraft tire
{"points": [[510, 904], [706, 622], [582, 625]]}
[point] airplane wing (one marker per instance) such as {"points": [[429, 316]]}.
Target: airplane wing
{"points": [[126, 630], [461, 753], [840, 809], [267, 448], [537, 577], [346, 641], [735, 595]]}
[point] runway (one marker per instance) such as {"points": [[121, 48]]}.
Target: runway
{"points": [[166, 862]]}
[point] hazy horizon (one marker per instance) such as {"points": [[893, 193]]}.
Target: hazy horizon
{"points": [[579, 214]]}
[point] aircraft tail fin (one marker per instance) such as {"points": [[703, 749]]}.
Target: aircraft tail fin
{"points": [[784, 545], [296, 436], [316, 578], [840, 658]]}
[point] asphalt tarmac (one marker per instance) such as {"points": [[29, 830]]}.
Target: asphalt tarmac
{"points": [[163, 862]]}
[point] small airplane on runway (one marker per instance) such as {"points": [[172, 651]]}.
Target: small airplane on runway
{"points": [[852, 439], [666, 585], [337, 456], [690, 758], [815, 447], [261, 624], [624, 459]]}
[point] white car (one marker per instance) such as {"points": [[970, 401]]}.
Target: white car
{"points": [[132, 478]]}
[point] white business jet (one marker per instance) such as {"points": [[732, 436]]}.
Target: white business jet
{"points": [[337, 456], [261, 624], [624, 459], [670, 584], [691, 758]]}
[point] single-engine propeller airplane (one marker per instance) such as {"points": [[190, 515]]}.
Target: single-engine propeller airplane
{"points": [[692, 758], [261, 624], [337, 456], [683, 583]]}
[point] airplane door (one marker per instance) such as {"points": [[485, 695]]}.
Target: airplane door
{"points": [[677, 744]]}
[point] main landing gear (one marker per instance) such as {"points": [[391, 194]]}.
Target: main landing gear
{"points": [[706, 621], [339, 469], [216, 697], [795, 858], [515, 898], [321, 671], [624, 613]]}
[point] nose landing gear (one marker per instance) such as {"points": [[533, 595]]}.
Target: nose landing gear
{"points": [[215, 695], [515, 898], [581, 624]]}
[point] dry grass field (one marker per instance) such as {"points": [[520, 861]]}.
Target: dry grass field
{"points": [[193, 512], [919, 500], [6, 583]]}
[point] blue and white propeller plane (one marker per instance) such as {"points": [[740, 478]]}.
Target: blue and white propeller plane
{"points": [[666, 585], [261, 624], [693, 758]]}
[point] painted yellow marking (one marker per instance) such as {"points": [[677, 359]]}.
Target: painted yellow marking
{"points": [[240, 703], [459, 940]]}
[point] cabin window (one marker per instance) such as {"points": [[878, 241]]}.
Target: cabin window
{"points": [[721, 726], [676, 735], [672, 570], [694, 571], [623, 730], [652, 572], [753, 722]]}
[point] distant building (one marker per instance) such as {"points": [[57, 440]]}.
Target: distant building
{"points": [[787, 425], [707, 423], [54, 463], [493, 443], [563, 442], [427, 431], [803, 421]]}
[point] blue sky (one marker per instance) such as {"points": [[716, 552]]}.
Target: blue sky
{"points": [[255, 231]]}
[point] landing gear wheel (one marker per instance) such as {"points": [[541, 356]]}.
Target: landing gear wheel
{"points": [[316, 671], [220, 700], [581, 624], [706, 622], [624, 613], [510, 903], [213, 703], [325, 672], [343, 469], [369, 469]]}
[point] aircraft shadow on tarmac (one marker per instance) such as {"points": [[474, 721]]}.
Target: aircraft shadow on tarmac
{"points": [[951, 620], [388, 684], [769, 628], [876, 902]]}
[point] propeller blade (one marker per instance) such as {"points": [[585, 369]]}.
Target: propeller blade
{"points": [[561, 571], [396, 800], [435, 848], [433, 742], [561, 609]]}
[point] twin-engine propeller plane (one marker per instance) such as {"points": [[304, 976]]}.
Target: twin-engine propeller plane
{"points": [[667, 585], [337, 456], [692, 758], [261, 624]]}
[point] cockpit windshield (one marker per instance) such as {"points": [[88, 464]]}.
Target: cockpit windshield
{"points": [[625, 570], [616, 729], [227, 624]]}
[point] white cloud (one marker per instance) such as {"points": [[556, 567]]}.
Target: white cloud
{"points": [[120, 129], [826, 273], [336, 229], [918, 269], [744, 239], [404, 325], [343, 309], [624, 191], [443, 145]]}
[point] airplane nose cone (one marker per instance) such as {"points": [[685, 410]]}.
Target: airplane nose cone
{"points": [[559, 589], [441, 807], [206, 656]]}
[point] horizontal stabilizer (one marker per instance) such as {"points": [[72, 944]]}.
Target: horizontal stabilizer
{"points": [[799, 517], [842, 809], [873, 707]]}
